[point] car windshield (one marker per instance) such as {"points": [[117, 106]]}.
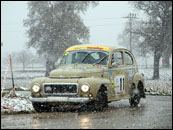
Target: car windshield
{"points": [[85, 57]]}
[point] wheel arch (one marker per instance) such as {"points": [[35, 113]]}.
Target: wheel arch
{"points": [[138, 79], [96, 84], [103, 87]]}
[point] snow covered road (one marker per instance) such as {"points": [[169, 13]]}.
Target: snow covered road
{"points": [[154, 112]]}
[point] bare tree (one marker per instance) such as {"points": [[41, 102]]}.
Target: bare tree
{"points": [[156, 31]]}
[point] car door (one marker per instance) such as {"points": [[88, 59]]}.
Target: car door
{"points": [[118, 74], [131, 67]]}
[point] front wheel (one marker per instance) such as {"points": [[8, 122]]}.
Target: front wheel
{"points": [[101, 100], [41, 107]]}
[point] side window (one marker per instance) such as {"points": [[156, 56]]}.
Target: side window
{"points": [[129, 59], [117, 58]]}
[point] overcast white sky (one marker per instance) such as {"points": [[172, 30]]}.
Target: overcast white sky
{"points": [[105, 22]]}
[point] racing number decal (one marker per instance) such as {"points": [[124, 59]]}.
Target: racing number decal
{"points": [[119, 85]]}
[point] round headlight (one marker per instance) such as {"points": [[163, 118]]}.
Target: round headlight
{"points": [[85, 88], [36, 88]]}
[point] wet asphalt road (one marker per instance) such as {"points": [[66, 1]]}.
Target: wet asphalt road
{"points": [[153, 112]]}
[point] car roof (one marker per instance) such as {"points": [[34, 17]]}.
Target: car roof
{"points": [[95, 46]]}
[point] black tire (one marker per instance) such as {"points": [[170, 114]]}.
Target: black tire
{"points": [[135, 98], [141, 90], [41, 107], [101, 100]]}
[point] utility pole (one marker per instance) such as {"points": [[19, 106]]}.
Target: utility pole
{"points": [[131, 17]]}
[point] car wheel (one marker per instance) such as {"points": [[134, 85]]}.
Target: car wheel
{"points": [[135, 98], [141, 90], [101, 100], [41, 107]]}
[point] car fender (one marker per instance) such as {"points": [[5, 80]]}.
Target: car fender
{"points": [[95, 84], [39, 81], [137, 78]]}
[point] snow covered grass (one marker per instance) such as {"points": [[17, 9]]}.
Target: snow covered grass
{"points": [[162, 86], [165, 73], [21, 79]]}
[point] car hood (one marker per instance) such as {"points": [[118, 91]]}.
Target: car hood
{"points": [[77, 71]]}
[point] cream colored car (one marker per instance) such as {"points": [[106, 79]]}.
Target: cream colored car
{"points": [[90, 76]]}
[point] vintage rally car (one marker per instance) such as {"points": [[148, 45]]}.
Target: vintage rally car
{"points": [[90, 75]]}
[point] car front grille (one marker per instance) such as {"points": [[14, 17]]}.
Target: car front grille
{"points": [[60, 88]]}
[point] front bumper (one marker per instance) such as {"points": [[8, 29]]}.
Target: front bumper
{"points": [[61, 99]]}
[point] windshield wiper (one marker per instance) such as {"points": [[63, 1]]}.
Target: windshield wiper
{"points": [[85, 57], [100, 60]]}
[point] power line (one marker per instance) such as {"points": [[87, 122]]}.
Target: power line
{"points": [[110, 18]]}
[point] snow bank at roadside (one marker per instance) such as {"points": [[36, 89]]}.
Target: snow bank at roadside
{"points": [[16, 104], [162, 86]]}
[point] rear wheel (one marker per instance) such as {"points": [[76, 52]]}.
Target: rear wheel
{"points": [[141, 90], [135, 97]]}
